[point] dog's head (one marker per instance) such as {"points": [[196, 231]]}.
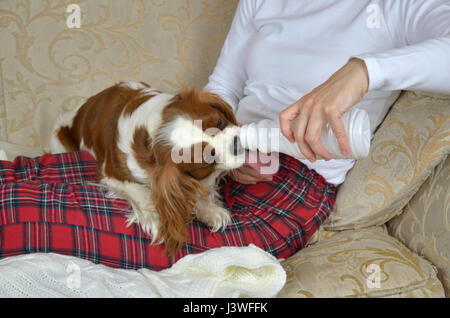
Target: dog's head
{"points": [[197, 140]]}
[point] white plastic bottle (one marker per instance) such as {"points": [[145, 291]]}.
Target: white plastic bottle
{"points": [[266, 137]]}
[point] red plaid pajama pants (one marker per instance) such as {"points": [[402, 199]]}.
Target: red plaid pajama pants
{"points": [[49, 204]]}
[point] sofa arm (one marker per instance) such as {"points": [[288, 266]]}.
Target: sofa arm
{"points": [[424, 225]]}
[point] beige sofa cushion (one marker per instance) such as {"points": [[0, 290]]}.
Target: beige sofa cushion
{"points": [[424, 226], [412, 140], [338, 267], [3, 135], [12, 151]]}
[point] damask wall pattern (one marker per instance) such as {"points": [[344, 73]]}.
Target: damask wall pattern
{"points": [[48, 67]]}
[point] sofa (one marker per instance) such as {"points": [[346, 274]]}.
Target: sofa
{"points": [[389, 232]]}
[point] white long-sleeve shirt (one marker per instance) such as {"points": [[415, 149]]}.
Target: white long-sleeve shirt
{"points": [[277, 51]]}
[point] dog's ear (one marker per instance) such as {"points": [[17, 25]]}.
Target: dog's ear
{"points": [[218, 103], [175, 194], [210, 98]]}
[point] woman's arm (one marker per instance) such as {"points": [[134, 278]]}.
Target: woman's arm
{"points": [[229, 75], [421, 62]]}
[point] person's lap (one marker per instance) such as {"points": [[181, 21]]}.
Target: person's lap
{"points": [[50, 204]]}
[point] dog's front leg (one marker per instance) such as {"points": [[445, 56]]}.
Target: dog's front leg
{"points": [[211, 212], [144, 212]]}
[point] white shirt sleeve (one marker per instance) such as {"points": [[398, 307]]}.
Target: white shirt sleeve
{"points": [[229, 75], [422, 60]]}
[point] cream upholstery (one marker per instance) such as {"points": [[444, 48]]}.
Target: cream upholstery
{"points": [[3, 135], [424, 226], [411, 141], [46, 67], [340, 267]]}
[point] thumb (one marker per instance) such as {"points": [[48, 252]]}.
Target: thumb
{"points": [[286, 116]]}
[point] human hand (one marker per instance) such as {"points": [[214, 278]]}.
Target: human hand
{"points": [[326, 103], [251, 172]]}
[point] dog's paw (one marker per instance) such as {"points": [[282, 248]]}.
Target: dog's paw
{"points": [[216, 218], [148, 221]]}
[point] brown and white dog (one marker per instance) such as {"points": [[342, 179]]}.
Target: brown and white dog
{"points": [[162, 152]]}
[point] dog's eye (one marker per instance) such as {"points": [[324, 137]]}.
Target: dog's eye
{"points": [[220, 124]]}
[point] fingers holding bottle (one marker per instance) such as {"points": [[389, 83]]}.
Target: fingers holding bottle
{"points": [[304, 120]]}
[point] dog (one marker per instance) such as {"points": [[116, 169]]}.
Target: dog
{"points": [[163, 152]]}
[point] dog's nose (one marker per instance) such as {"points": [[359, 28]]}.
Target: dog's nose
{"points": [[237, 147]]}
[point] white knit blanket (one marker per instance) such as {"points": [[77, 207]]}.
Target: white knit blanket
{"points": [[219, 272]]}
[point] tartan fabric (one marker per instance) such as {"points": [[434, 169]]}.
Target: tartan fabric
{"points": [[49, 204]]}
